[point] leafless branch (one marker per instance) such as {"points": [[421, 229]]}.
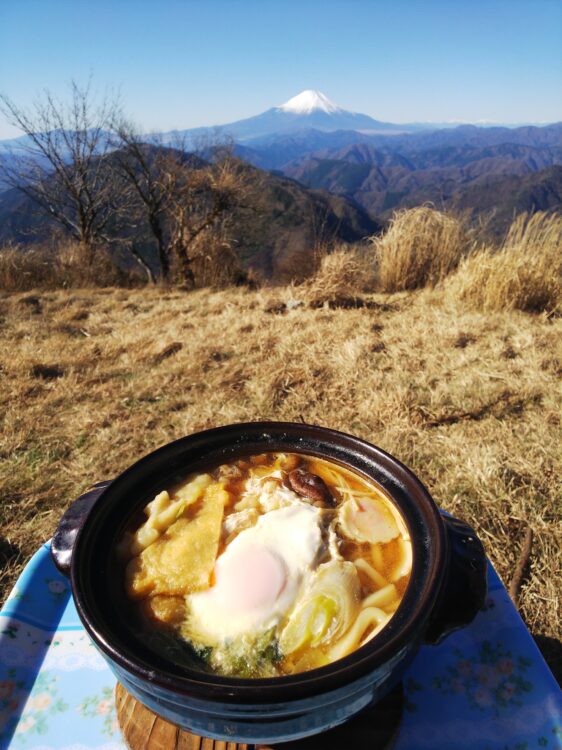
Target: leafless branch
{"points": [[62, 165]]}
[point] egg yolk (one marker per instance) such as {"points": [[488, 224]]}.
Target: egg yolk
{"points": [[252, 579]]}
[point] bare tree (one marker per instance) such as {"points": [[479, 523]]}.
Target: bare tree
{"points": [[144, 164], [203, 203], [62, 164], [187, 200]]}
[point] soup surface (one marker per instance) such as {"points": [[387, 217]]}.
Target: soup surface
{"points": [[273, 564]]}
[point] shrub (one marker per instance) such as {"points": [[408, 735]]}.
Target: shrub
{"points": [[420, 248], [215, 263], [524, 274]]}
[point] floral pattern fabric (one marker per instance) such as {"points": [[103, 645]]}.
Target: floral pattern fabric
{"points": [[486, 687]]}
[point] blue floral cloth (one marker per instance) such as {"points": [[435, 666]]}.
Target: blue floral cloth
{"points": [[486, 687]]}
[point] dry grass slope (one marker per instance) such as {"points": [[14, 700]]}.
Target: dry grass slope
{"points": [[456, 380], [470, 401]]}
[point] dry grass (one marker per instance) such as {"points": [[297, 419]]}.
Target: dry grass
{"points": [[342, 273], [525, 274], [60, 266], [420, 248], [90, 381]]}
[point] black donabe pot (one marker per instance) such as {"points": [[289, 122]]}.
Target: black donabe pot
{"points": [[446, 590]]}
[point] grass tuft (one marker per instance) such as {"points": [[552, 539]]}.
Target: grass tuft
{"points": [[420, 248], [525, 274], [343, 273]]}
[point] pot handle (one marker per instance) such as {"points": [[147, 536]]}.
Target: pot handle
{"points": [[70, 524], [466, 586]]}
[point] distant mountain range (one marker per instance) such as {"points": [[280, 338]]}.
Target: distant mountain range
{"points": [[380, 166], [382, 179]]}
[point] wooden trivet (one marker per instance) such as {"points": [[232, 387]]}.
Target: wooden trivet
{"points": [[376, 728]]}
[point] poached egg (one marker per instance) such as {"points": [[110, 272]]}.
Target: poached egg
{"points": [[258, 576]]}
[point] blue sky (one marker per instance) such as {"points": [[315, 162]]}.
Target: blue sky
{"points": [[204, 62]]}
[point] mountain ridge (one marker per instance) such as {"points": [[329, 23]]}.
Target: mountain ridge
{"points": [[286, 221]]}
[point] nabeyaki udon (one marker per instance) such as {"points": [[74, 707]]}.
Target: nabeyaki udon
{"points": [[270, 565]]}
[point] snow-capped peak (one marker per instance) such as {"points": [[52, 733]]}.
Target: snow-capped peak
{"points": [[310, 101]]}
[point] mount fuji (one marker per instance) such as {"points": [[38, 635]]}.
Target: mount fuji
{"points": [[309, 110]]}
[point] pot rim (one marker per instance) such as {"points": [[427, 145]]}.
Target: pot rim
{"points": [[386, 647]]}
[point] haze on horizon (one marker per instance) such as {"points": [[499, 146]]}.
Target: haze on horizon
{"points": [[189, 64]]}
